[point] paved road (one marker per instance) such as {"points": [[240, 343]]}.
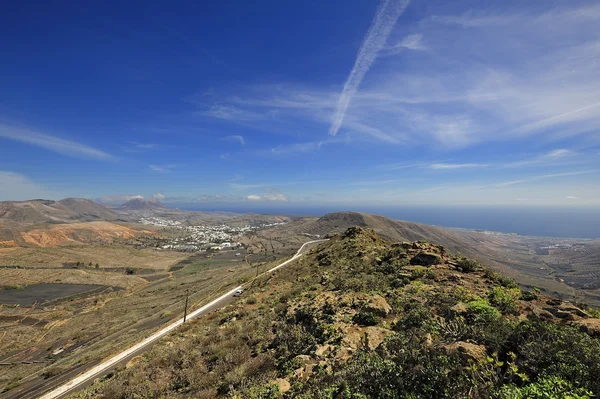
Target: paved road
{"points": [[85, 379]]}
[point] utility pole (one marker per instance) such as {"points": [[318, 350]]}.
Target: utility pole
{"points": [[187, 295]]}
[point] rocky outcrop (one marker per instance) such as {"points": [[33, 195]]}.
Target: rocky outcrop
{"points": [[467, 350], [426, 259]]}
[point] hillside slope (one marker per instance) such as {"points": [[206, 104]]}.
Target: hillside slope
{"points": [[141, 204], [361, 317], [47, 211]]}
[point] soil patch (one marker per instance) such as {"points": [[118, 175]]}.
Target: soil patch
{"points": [[41, 293]]}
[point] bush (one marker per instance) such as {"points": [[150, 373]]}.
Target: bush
{"points": [[500, 279], [550, 349], [417, 317], [251, 300], [364, 318], [468, 265], [529, 296], [130, 270], [481, 310], [505, 299], [545, 388]]}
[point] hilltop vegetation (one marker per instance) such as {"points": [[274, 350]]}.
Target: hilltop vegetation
{"points": [[361, 317]]}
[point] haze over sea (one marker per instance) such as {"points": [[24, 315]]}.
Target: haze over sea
{"points": [[567, 222]]}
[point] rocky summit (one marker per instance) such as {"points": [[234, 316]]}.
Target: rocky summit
{"points": [[364, 317]]}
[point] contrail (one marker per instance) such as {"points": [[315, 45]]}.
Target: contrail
{"points": [[385, 18]]}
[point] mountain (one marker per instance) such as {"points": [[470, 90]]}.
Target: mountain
{"points": [[141, 204], [48, 211], [362, 316], [397, 230]]}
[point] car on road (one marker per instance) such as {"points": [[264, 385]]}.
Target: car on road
{"points": [[238, 293]]}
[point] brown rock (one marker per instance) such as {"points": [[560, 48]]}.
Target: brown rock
{"points": [[467, 350], [284, 385], [378, 306], [459, 308], [591, 326], [567, 307]]}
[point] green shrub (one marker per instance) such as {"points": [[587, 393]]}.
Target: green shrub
{"points": [[251, 300], [551, 349], [529, 296], [468, 265], [481, 310], [495, 277], [365, 318], [552, 387], [417, 317], [505, 299]]}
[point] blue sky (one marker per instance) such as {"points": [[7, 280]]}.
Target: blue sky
{"points": [[283, 103]]}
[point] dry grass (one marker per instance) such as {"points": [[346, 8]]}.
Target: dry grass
{"points": [[13, 277], [104, 255]]}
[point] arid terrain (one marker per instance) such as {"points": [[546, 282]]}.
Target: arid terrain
{"points": [[81, 281]]}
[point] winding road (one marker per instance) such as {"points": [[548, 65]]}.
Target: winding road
{"points": [[85, 379]]}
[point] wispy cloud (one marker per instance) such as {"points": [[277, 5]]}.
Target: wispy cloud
{"points": [[232, 113], [547, 176], [139, 147], [267, 197], [442, 166], [158, 196], [243, 187], [236, 138], [52, 143], [411, 42], [162, 168], [385, 17]]}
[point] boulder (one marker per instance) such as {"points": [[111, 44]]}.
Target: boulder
{"points": [[426, 259], [459, 308], [466, 350], [284, 385], [591, 326], [567, 307], [378, 306]]}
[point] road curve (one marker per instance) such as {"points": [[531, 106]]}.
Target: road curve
{"points": [[88, 376]]}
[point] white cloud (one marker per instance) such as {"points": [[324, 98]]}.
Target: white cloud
{"points": [[267, 197], [238, 138], [58, 145], [136, 147], [514, 74], [411, 42], [162, 168], [118, 198], [438, 166], [242, 187], [548, 176], [158, 196], [232, 113], [18, 187], [275, 197], [571, 197], [385, 17]]}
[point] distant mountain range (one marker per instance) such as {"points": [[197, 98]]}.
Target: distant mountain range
{"points": [[141, 204], [63, 211]]}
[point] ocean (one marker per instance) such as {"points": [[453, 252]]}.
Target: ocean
{"points": [[574, 222]]}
